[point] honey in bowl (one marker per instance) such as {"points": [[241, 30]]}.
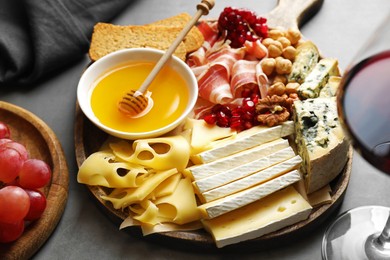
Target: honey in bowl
{"points": [[169, 93]]}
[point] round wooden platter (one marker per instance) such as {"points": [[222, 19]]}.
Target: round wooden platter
{"points": [[41, 143], [88, 139]]}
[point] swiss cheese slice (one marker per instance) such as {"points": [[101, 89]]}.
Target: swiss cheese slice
{"points": [[255, 178], [201, 171], [276, 211], [240, 199], [244, 140]]}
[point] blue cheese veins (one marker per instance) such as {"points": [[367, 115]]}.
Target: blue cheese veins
{"points": [[318, 78], [320, 141]]}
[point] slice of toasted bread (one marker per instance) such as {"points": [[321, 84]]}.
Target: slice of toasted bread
{"points": [[194, 38], [107, 38]]}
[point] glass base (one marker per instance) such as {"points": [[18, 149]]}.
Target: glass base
{"points": [[349, 236]]}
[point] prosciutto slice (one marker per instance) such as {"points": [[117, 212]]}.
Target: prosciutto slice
{"points": [[243, 76], [214, 82]]}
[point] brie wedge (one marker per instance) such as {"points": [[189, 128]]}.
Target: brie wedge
{"points": [[244, 140], [240, 199]]}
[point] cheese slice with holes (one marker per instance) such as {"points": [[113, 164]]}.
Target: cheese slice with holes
{"points": [[276, 211], [255, 178], [240, 199], [201, 171], [244, 140]]}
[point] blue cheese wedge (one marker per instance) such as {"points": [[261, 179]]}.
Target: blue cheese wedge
{"points": [[244, 140], [305, 60], [318, 77], [240, 199], [281, 209], [320, 141]]}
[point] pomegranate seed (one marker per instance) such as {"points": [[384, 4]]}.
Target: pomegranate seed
{"points": [[248, 105], [210, 119], [240, 25]]}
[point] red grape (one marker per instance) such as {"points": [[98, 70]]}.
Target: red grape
{"points": [[34, 174], [10, 164], [37, 204], [14, 204], [21, 149], [4, 131], [11, 231]]}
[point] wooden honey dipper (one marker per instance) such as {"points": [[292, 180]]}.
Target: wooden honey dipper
{"points": [[135, 103]]}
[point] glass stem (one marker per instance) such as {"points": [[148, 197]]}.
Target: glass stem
{"points": [[384, 238], [377, 245]]}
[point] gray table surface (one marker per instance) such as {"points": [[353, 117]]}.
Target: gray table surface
{"points": [[84, 232]]}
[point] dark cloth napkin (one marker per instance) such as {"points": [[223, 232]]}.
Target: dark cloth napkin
{"points": [[39, 37]]}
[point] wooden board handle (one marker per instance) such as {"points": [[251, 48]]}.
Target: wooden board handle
{"points": [[292, 13]]}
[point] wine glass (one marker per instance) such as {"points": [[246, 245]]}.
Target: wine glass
{"points": [[364, 110]]}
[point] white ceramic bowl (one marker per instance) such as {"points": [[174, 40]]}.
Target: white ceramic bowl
{"points": [[112, 60]]}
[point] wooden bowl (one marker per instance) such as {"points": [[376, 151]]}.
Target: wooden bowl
{"points": [[41, 143], [88, 139]]}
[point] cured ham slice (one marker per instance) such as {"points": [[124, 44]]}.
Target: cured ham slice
{"points": [[262, 80], [256, 49], [210, 35], [214, 83], [243, 76]]}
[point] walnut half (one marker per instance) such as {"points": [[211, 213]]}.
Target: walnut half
{"points": [[274, 110]]}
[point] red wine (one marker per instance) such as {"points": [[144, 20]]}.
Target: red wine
{"points": [[364, 108]]}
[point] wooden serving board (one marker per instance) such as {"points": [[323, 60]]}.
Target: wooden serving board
{"points": [[88, 139], [41, 143]]}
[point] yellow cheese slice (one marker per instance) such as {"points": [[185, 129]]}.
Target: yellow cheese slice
{"points": [[276, 211], [167, 187], [160, 153], [203, 134], [180, 207], [101, 169], [244, 140], [253, 179], [201, 171], [237, 200], [121, 198]]}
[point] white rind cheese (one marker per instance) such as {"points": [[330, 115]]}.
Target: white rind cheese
{"points": [[276, 211], [318, 77], [201, 171], [253, 179], [237, 200], [320, 141], [244, 140], [243, 170]]}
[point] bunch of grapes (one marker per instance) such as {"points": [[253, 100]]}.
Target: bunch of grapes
{"points": [[21, 179], [242, 25]]}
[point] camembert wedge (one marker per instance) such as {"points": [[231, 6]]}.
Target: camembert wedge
{"points": [[240, 199], [244, 140], [320, 141], [253, 179]]}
